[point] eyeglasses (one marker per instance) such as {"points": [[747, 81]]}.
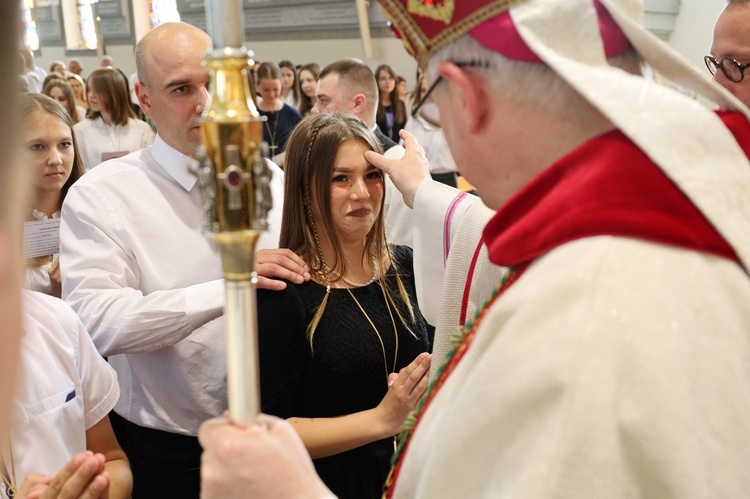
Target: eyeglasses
{"points": [[468, 64], [731, 68]]}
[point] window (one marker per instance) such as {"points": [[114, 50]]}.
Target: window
{"points": [[87, 24], [163, 11], [30, 36]]}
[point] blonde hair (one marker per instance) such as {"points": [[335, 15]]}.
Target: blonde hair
{"points": [[67, 90], [310, 154], [73, 76]]}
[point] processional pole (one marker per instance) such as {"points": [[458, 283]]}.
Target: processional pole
{"points": [[234, 179]]}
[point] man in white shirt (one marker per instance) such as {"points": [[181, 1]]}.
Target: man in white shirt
{"points": [[34, 73], [145, 280]]}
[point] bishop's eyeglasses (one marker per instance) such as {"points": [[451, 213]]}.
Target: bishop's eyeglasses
{"points": [[732, 69]]}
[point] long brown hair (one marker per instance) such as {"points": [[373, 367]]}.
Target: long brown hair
{"points": [[295, 85], [67, 90], [111, 86], [306, 103], [399, 110], [310, 155]]}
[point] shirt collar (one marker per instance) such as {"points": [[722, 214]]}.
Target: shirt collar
{"points": [[176, 164]]}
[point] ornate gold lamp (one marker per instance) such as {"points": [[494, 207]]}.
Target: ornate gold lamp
{"points": [[234, 179]]}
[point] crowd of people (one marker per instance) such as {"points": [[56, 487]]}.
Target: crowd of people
{"points": [[283, 92], [579, 329]]}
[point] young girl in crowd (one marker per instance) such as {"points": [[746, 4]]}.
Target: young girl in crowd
{"points": [[281, 118], [110, 129], [391, 114], [290, 92], [308, 81], [50, 151], [331, 348], [65, 388], [61, 91], [79, 91]]}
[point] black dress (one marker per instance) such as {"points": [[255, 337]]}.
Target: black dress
{"points": [[388, 124], [344, 373]]}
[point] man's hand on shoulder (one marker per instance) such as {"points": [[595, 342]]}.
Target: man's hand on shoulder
{"points": [[274, 264]]}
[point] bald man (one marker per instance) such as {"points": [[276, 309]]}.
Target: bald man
{"points": [[730, 50], [145, 280]]}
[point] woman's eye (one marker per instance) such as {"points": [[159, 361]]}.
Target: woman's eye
{"points": [[36, 147], [66, 144], [375, 175], [339, 178]]}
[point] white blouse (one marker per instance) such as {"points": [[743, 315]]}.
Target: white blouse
{"points": [[98, 142]]}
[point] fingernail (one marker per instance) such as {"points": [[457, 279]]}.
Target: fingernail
{"points": [[299, 278], [307, 275], [89, 465]]}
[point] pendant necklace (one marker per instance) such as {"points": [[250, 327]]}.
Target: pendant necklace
{"points": [[272, 146], [377, 333]]}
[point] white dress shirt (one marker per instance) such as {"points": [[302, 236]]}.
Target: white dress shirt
{"points": [[64, 388], [148, 285], [95, 138]]}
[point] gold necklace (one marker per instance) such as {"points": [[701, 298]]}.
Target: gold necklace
{"points": [[11, 482], [273, 145], [377, 333]]}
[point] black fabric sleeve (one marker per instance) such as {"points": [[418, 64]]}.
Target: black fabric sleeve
{"points": [[282, 348]]}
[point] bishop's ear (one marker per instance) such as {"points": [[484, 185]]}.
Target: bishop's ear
{"points": [[464, 95]]}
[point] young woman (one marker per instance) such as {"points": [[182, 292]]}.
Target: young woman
{"points": [[290, 91], [391, 114], [50, 148], [331, 348], [308, 81], [66, 388], [79, 91], [110, 129], [61, 91], [281, 118]]}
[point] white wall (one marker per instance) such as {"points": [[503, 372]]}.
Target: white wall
{"points": [[694, 28]]}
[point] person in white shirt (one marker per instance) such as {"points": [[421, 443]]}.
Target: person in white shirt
{"points": [[146, 281], [110, 129], [49, 148], [64, 392]]}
